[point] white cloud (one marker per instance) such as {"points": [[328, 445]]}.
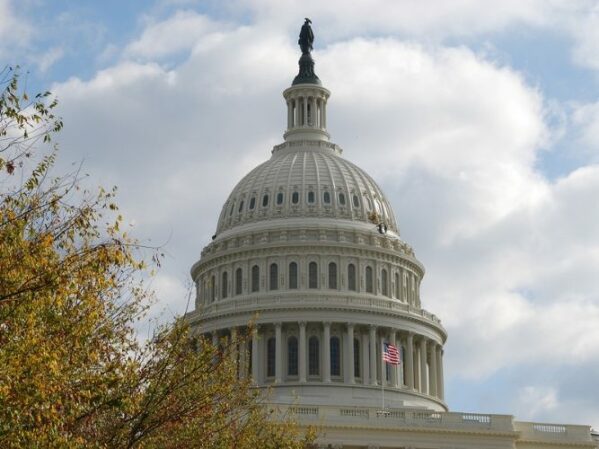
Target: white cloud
{"points": [[180, 32], [15, 31]]}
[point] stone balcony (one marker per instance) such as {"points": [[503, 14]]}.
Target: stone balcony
{"points": [[407, 421]]}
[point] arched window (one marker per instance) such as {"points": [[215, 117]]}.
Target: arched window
{"points": [[271, 346], [232, 209], [292, 356], [224, 288], [356, 357], [356, 201], [265, 200], [252, 203], [311, 197], [238, 281], [313, 275], [274, 276], [313, 356], [240, 206], [351, 277], [326, 198], [280, 198], [384, 285], [342, 199], [397, 285], [369, 284], [255, 278], [293, 275], [295, 198], [212, 288], [333, 275], [335, 357]]}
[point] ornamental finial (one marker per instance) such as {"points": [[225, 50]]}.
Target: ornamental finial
{"points": [[306, 73], [306, 37]]}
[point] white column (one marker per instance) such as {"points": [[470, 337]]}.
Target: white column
{"points": [[433, 370], [314, 113], [233, 348], [440, 386], [278, 353], [243, 367], [349, 355], [423, 382], [289, 111], [324, 113], [327, 352], [364, 363], [417, 386], [372, 373], [394, 368], [302, 351], [305, 121], [409, 356], [255, 358]]}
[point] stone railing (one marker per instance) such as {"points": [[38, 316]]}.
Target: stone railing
{"points": [[258, 303], [541, 431], [390, 418], [453, 421]]}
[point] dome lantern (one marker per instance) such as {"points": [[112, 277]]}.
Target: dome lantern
{"points": [[306, 98]]}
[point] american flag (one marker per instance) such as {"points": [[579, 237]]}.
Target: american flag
{"points": [[390, 354]]}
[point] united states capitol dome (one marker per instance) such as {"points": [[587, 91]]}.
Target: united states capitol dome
{"points": [[307, 248], [306, 179]]}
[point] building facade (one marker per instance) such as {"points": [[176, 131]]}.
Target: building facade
{"points": [[308, 249]]}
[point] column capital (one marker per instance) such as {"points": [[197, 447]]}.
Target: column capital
{"points": [[326, 323], [348, 324], [278, 324], [302, 323]]}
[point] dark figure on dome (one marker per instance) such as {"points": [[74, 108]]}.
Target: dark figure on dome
{"points": [[306, 37]]}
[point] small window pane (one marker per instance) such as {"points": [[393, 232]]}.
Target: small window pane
{"points": [[335, 357], [313, 275], [265, 201], [238, 280], [356, 201], [274, 276], [270, 357], [311, 197], [351, 277], [212, 288], [313, 356], [240, 206], [326, 197], [279, 198], [252, 203], [224, 286], [293, 275], [384, 280], [357, 358], [333, 275], [342, 199], [255, 278], [295, 197], [292, 356], [369, 284]]}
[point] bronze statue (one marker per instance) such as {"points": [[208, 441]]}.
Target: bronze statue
{"points": [[306, 37]]}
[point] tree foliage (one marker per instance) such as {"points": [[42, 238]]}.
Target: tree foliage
{"points": [[72, 373]]}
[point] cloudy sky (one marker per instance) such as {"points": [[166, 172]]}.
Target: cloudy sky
{"points": [[480, 122]]}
